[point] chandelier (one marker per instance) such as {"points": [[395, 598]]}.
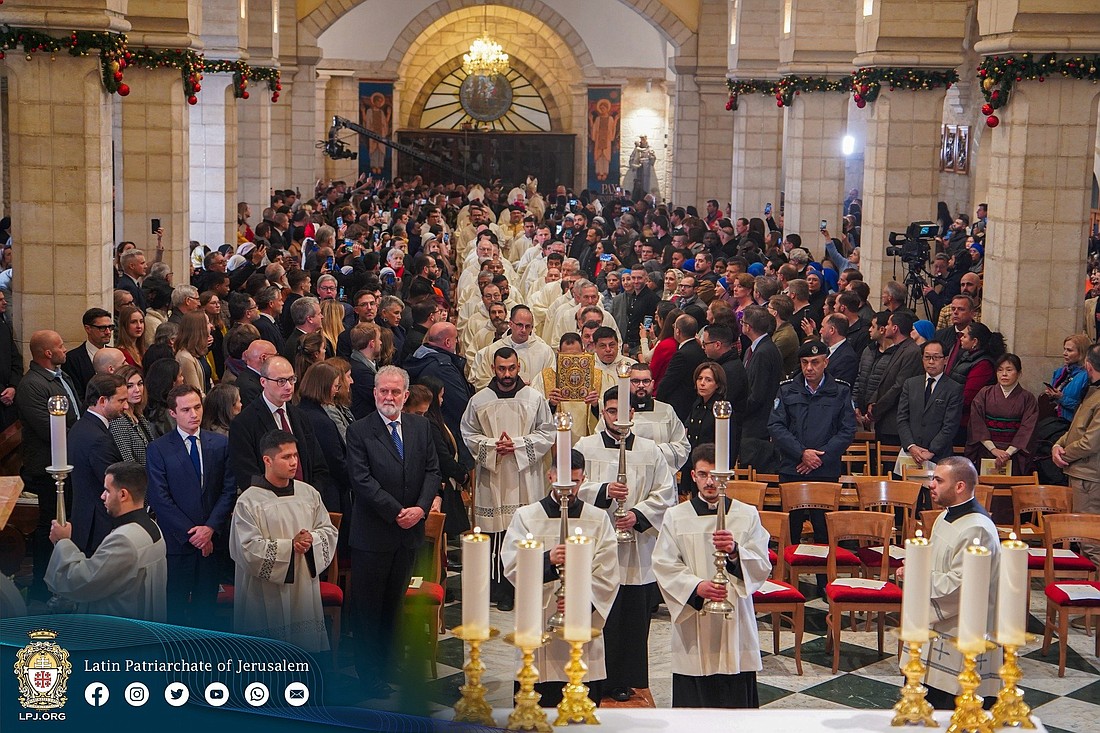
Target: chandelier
{"points": [[486, 57]]}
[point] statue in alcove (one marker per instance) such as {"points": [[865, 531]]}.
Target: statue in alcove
{"points": [[642, 161]]}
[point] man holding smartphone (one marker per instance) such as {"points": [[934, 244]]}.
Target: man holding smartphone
{"points": [[641, 303]]}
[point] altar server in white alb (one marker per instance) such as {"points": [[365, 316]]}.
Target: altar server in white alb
{"points": [[508, 428], [656, 420], [542, 521], [127, 575], [649, 491], [714, 659], [281, 540], [965, 520]]}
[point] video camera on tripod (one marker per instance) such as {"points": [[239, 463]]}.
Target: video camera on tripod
{"points": [[914, 246]]}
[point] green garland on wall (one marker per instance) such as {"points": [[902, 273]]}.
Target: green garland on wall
{"points": [[786, 88], [999, 74], [867, 82], [115, 56]]}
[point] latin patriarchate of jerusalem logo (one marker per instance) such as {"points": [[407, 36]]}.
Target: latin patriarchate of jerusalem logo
{"points": [[43, 670]]}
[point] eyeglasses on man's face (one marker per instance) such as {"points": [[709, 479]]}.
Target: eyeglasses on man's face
{"points": [[282, 381]]}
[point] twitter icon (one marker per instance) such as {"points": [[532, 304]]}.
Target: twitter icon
{"points": [[176, 694]]}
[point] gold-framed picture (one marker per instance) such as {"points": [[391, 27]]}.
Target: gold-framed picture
{"points": [[576, 376], [962, 149], [947, 148]]}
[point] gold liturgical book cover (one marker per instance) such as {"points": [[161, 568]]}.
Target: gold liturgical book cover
{"points": [[576, 375]]}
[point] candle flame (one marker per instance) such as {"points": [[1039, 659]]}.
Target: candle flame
{"points": [[1012, 535], [530, 536], [477, 530], [977, 541], [920, 533], [578, 531]]}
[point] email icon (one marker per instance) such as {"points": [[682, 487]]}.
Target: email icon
{"points": [[296, 694]]}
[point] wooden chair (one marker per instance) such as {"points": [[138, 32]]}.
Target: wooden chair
{"points": [[1038, 502], [431, 593], [887, 456], [811, 495], [1061, 529], [928, 518], [747, 492], [858, 454], [890, 498], [746, 473], [787, 599], [1002, 485], [771, 496], [332, 594], [874, 528], [922, 476], [984, 494]]}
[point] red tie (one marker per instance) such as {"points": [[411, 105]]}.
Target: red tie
{"points": [[953, 355], [286, 426]]}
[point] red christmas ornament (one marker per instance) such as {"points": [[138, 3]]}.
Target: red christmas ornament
{"points": [[1041, 80], [198, 87], [118, 76], [729, 105], [192, 100], [995, 95], [992, 120], [987, 109], [278, 87], [857, 98], [275, 97], [982, 72], [779, 103], [244, 95], [861, 103], [123, 90]]}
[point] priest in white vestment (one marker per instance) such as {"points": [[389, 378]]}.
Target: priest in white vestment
{"points": [[714, 659], [542, 521], [656, 420], [508, 428], [281, 540], [649, 491], [127, 576], [534, 353], [952, 486]]}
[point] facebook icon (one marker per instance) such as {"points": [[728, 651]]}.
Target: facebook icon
{"points": [[96, 694]]}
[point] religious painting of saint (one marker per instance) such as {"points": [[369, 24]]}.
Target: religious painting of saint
{"points": [[962, 149], [604, 111], [947, 149], [375, 114]]}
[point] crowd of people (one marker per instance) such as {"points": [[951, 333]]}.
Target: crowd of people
{"points": [[387, 349]]}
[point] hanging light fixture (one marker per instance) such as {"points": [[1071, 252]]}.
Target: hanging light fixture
{"points": [[486, 56]]}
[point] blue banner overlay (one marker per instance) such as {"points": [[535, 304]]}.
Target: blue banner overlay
{"points": [[103, 671]]}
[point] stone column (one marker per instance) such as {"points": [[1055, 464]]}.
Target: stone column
{"points": [[156, 169], [757, 154], [300, 96], [254, 151], [1040, 162], [214, 162], [685, 163], [59, 136], [814, 165], [341, 98], [900, 175]]}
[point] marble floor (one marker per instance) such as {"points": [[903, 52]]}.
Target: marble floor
{"points": [[867, 679]]}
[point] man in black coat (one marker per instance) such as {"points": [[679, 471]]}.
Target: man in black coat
{"points": [[843, 362], [436, 357], [677, 386], [99, 326], [764, 369], [718, 345], [270, 307], [91, 451], [272, 410], [394, 472], [11, 366], [134, 269]]}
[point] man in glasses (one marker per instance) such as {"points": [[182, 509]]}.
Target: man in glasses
{"points": [[271, 411], [655, 420], [100, 328]]}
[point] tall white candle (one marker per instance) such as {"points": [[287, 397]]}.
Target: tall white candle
{"points": [[974, 602], [578, 587], [59, 450], [916, 590], [563, 421], [722, 445], [475, 584], [1012, 593], [529, 622], [624, 399]]}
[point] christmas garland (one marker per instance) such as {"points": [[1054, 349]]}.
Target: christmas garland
{"points": [[786, 88], [867, 82], [115, 56], [999, 74]]}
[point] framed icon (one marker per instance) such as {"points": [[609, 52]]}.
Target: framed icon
{"points": [[947, 148], [962, 149]]}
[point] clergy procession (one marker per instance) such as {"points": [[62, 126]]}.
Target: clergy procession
{"points": [[577, 428]]}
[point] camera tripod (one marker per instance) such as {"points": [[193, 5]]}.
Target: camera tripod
{"points": [[915, 283]]}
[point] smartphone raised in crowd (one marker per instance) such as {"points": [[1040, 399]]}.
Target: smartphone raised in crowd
{"points": [[824, 225], [339, 222], [767, 209], [331, 262], [154, 225]]}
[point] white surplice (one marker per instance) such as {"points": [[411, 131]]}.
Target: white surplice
{"points": [[261, 542], [652, 492], [506, 483], [705, 645], [661, 425], [542, 520], [534, 356]]}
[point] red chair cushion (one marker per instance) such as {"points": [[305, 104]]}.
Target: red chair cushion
{"points": [[1056, 594], [433, 593], [843, 557], [1035, 562], [846, 594], [789, 594], [773, 558], [871, 556], [225, 595], [331, 594]]}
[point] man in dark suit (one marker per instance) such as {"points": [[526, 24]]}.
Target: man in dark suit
{"points": [[718, 343], [248, 381], [905, 362], [677, 386], [270, 307], [11, 366], [764, 369], [91, 451], [843, 362], [192, 490], [364, 340], [394, 473], [271, 410], [98, 325], [928, 412], [134, 269]]}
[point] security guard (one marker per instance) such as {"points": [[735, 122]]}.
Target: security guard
{"points": [[813, 423]]}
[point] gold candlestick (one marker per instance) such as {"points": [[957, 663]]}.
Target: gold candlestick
{"points": [[1010, 710], [575, 705], [968, 713], [913, 708], [472, 706], [528, 714]]}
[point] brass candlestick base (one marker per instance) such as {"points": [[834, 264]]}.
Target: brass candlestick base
{"points": [[912, 708], [575, 705], [528, 714], [1010, 710], [721, 607], [968, 714], [623, 536], [472, 706]]}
